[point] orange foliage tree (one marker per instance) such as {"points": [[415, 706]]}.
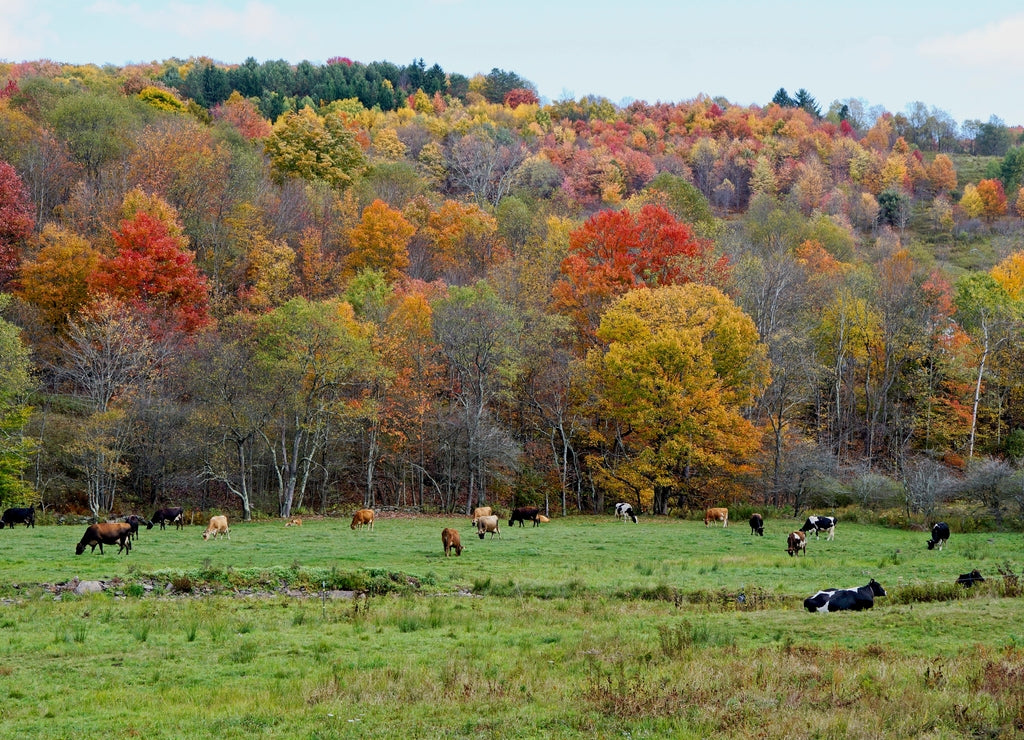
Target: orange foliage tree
{"points": [[380, 241]]}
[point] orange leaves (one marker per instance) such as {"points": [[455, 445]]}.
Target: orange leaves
{"points": [[380, 241]]}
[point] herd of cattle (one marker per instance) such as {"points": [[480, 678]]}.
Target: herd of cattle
{"points": [[485, 520]]}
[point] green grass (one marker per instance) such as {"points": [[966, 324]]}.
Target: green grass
{"points": [[580, 628]]}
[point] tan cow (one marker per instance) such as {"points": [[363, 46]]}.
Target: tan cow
{"points": [[481, 511], [296, 522], [542, 519], [487, 524], [218, 528], [718, 514], [362, 518], [451, 541]]}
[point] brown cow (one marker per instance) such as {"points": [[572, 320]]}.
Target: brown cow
{"points": [[450, 540], [796, 543], [296, 522], [106, 533], [482, 511], [362, 518], [717, 515], [218, 527]]}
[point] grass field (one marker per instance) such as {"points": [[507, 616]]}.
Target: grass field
{"points": [[584, 627]]}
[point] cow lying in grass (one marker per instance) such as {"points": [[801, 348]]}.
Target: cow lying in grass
{"points": [[845, 599], [106, 533]]}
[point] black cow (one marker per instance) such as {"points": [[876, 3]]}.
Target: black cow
{"points": [[817, 524], [940, 533], [845, 599], [524, 513], [175, 515], [969, 579], [106, 533], [19, 516], [757, 524], [135, 520]]}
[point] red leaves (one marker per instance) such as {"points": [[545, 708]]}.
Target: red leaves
{"points": [[16, 220]]}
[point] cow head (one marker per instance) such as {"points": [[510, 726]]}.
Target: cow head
{"points": [[481, 533], [876, 588], [79, 548]]}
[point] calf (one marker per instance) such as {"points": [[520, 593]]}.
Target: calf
{"points": [[796, 543], [969, 579], [845, 599], [296, 522], [625, 511], [940, 534], [718, 514], [135, 521], [19, 516], [482, 511], [757, 524], [362, 518], [171, 514], [524, 513], [487, 524], [106, 533], [451, 541], [218, 527], [817, 524]]}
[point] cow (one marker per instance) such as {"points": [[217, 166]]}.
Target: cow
{"points": [[106, 533], [940, 534], [625, 511], [14, 516], [796, 543], [757, 524], [362, 518], [482, 511], [135, 520], [718, 514], [174, 515], [524, 513], [541, 519], [817, 524], [969, 579], [487, 524], [296, 522], [218, 527], [845, 599], [451, 541]]}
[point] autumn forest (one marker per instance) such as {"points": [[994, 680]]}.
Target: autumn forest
{"points": [[268, 288]]}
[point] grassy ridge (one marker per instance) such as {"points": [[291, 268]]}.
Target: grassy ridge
{"points": [[593, 662]]}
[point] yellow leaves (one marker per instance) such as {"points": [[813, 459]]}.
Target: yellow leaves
{"points": [[56, 282], [971, 201], [380, 241], [388, 146], [1010, 275]]}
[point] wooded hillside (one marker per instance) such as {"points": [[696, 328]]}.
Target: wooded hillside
{"points": [[270, 287]]}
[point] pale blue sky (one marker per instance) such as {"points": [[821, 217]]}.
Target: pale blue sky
{"points": [[966, 58]]}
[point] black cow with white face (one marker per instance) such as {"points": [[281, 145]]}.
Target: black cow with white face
{"points": [[845, 599], [940, 534], [826, 524]]}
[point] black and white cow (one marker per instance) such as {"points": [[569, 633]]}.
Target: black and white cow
{"points": [[817, 524], [969, 579], [845, 599], [625, 511], [757, 524], [940, 533]]}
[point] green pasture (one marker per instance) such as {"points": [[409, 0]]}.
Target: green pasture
{"points": [[583, 627]]}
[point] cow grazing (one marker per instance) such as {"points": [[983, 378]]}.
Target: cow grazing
{"points": [[451, 541], [487, 524], [796, 543], [14, 516], [969, 579], [218, 527], [826, 524], [362, 518], [940, 534], [625, 511], [845, 599], [718, 514], [296, 522], [172, 515], [482, 511], [757, 524], [106, 533], [523, 514]]}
